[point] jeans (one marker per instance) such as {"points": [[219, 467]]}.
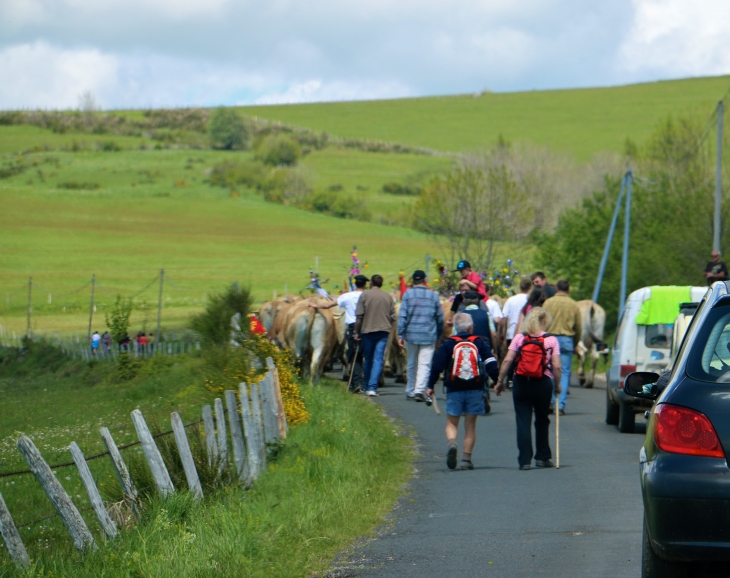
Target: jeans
{"points": [[373, 348], [566, 362], [355, 367], [419, 366], [528, 395]]}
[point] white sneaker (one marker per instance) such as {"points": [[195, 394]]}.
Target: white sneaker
{"points": [[371, 393]]}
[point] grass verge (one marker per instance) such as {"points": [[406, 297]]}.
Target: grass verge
{"points": [[333, 480]]}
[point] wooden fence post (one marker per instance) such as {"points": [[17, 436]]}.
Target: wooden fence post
{"points": [[252, 443], [186, 456], [220, 422], [130, 492], [281, 422], [12, 538], [152, 454], [107, 524], [210, 443], [66, 509], [239, 450], [258, 426], [267, 408]]}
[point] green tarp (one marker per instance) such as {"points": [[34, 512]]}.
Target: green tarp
{"points": [[663, 305]]}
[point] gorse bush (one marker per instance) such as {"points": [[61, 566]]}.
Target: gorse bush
{"points": [[227, 129], [278, 150], [214, 323]]}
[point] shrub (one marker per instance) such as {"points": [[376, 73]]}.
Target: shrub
{"points": [[276, 150], [117, 320], [322, 202], [347, 207], [79, 186], [398, 189], [227, 129], [214, 324]]}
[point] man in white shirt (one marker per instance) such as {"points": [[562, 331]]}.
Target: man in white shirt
{"points": [[512, 308], [495, 312], [348, 301]]}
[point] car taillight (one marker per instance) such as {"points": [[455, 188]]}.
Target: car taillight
{"points": [[625, 370], [679, 430]]}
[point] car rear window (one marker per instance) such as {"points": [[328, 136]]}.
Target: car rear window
{"points": [[709, 358], [658, 336]]}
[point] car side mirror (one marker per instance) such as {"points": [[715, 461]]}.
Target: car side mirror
{"points": [[642, 384]]}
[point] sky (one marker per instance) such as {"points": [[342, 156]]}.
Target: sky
{"points": [[156, 53]]}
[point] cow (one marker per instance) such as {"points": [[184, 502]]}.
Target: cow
{"points": [[593, 321], [270, 310]]}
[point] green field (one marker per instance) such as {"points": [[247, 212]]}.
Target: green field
{"points": [[580, 121]]}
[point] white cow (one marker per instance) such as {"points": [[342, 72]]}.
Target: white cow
{"points": [[594, 321]]}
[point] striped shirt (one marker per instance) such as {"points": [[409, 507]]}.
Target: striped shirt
{"points": [[421, 319]]}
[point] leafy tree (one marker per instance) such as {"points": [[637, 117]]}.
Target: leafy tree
{"points": [[279, 149], [118, 319], [214, 324], [227, 129]]}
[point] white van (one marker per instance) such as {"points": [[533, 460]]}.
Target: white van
{"points": [[643, 343]]}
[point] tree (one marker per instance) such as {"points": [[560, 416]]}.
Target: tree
{"points": [[118, 319], [214, 323], [227, 129], [279, 149]]}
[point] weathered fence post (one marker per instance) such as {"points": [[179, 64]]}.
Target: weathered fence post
{"points": [[281, 414], [152, 454], [258, 426], [239, 451], [107, 524], [66, 509], [220, 422], [125, 480], [252, 443], [186, 456], [210, 443], [267, 408], [12, 538]]}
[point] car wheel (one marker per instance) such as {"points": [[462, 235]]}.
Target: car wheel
{"points": [[612, 409], [626, 418], [652, 566]]}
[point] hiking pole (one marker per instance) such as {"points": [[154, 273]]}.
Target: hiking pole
{"points": [[352, 365], [435, 404], [557, 434]]}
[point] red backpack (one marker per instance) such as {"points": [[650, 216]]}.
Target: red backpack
{"points": [[532, 357], [466, 364]]}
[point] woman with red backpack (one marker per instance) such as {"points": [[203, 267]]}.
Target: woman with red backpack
{"points": [[537, 356]]}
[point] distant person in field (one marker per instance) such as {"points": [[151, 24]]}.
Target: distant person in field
{"points": [[539, 280], [472, 279], [716, 269], [567, 326], [420, 324], [106, 343], [538, 363], [348, 301], [142, 341], [95, 342], [375, 314]]}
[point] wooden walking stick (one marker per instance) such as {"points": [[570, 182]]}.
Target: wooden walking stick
{"points": [[557, 434], [352, 365], [435, 404]]}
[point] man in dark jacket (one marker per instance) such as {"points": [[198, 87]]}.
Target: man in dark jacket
{"points": [[483, 324], [463, 397]]}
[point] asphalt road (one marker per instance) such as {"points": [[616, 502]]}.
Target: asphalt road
{"points": [[584, 519]]}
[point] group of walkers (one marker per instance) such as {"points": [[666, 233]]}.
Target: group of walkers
{"points": [[534, 335], [101, 344]]}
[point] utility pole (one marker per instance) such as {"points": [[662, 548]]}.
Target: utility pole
{"points": [[609, 240], [30, 291], [625, 256], [91, 307], [158, 334], [718, 179]]}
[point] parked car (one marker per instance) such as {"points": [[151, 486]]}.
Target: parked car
{"points": [[685, 480], [643, 343]]}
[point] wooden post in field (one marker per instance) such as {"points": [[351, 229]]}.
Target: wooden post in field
{"points": [[281, 412], [125, 480], [258, 425], [210, 443], [152, 455], [239, 450], [186, 456], [266, 409], [220, 423], [107, 524], [252, 442], [69, 514], [12, 539]]}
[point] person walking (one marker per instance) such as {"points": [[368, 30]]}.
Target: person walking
{"points": [[348, 301], [463, 357], [566, 325], [374, 314], [716, 269], [420, 323], [106, 343], [536, 299], [539, 280], [484, 326], [538, 364], [95, 342], [512, 309]]}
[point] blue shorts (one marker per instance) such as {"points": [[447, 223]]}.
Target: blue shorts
{"points": [[460, 403]]}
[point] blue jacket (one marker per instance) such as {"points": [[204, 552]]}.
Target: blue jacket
{"points": [[421, 319], [442, 361]]}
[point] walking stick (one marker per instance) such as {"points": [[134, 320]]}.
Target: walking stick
{"points": [[557, 434], [352, 365], [435, 404]]}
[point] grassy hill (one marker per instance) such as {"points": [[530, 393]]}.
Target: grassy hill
{"points": [[580, 121]]}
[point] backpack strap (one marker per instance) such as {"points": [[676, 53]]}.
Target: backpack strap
{"points": [[473, 338], [456, 338]]}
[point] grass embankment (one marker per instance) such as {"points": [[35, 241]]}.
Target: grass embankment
{"points": [[580, 121], [332, 481]]}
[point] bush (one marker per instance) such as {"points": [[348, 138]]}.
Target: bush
{"points": [[227, 129], [214, 324], [398, 189], [276, 150]]}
